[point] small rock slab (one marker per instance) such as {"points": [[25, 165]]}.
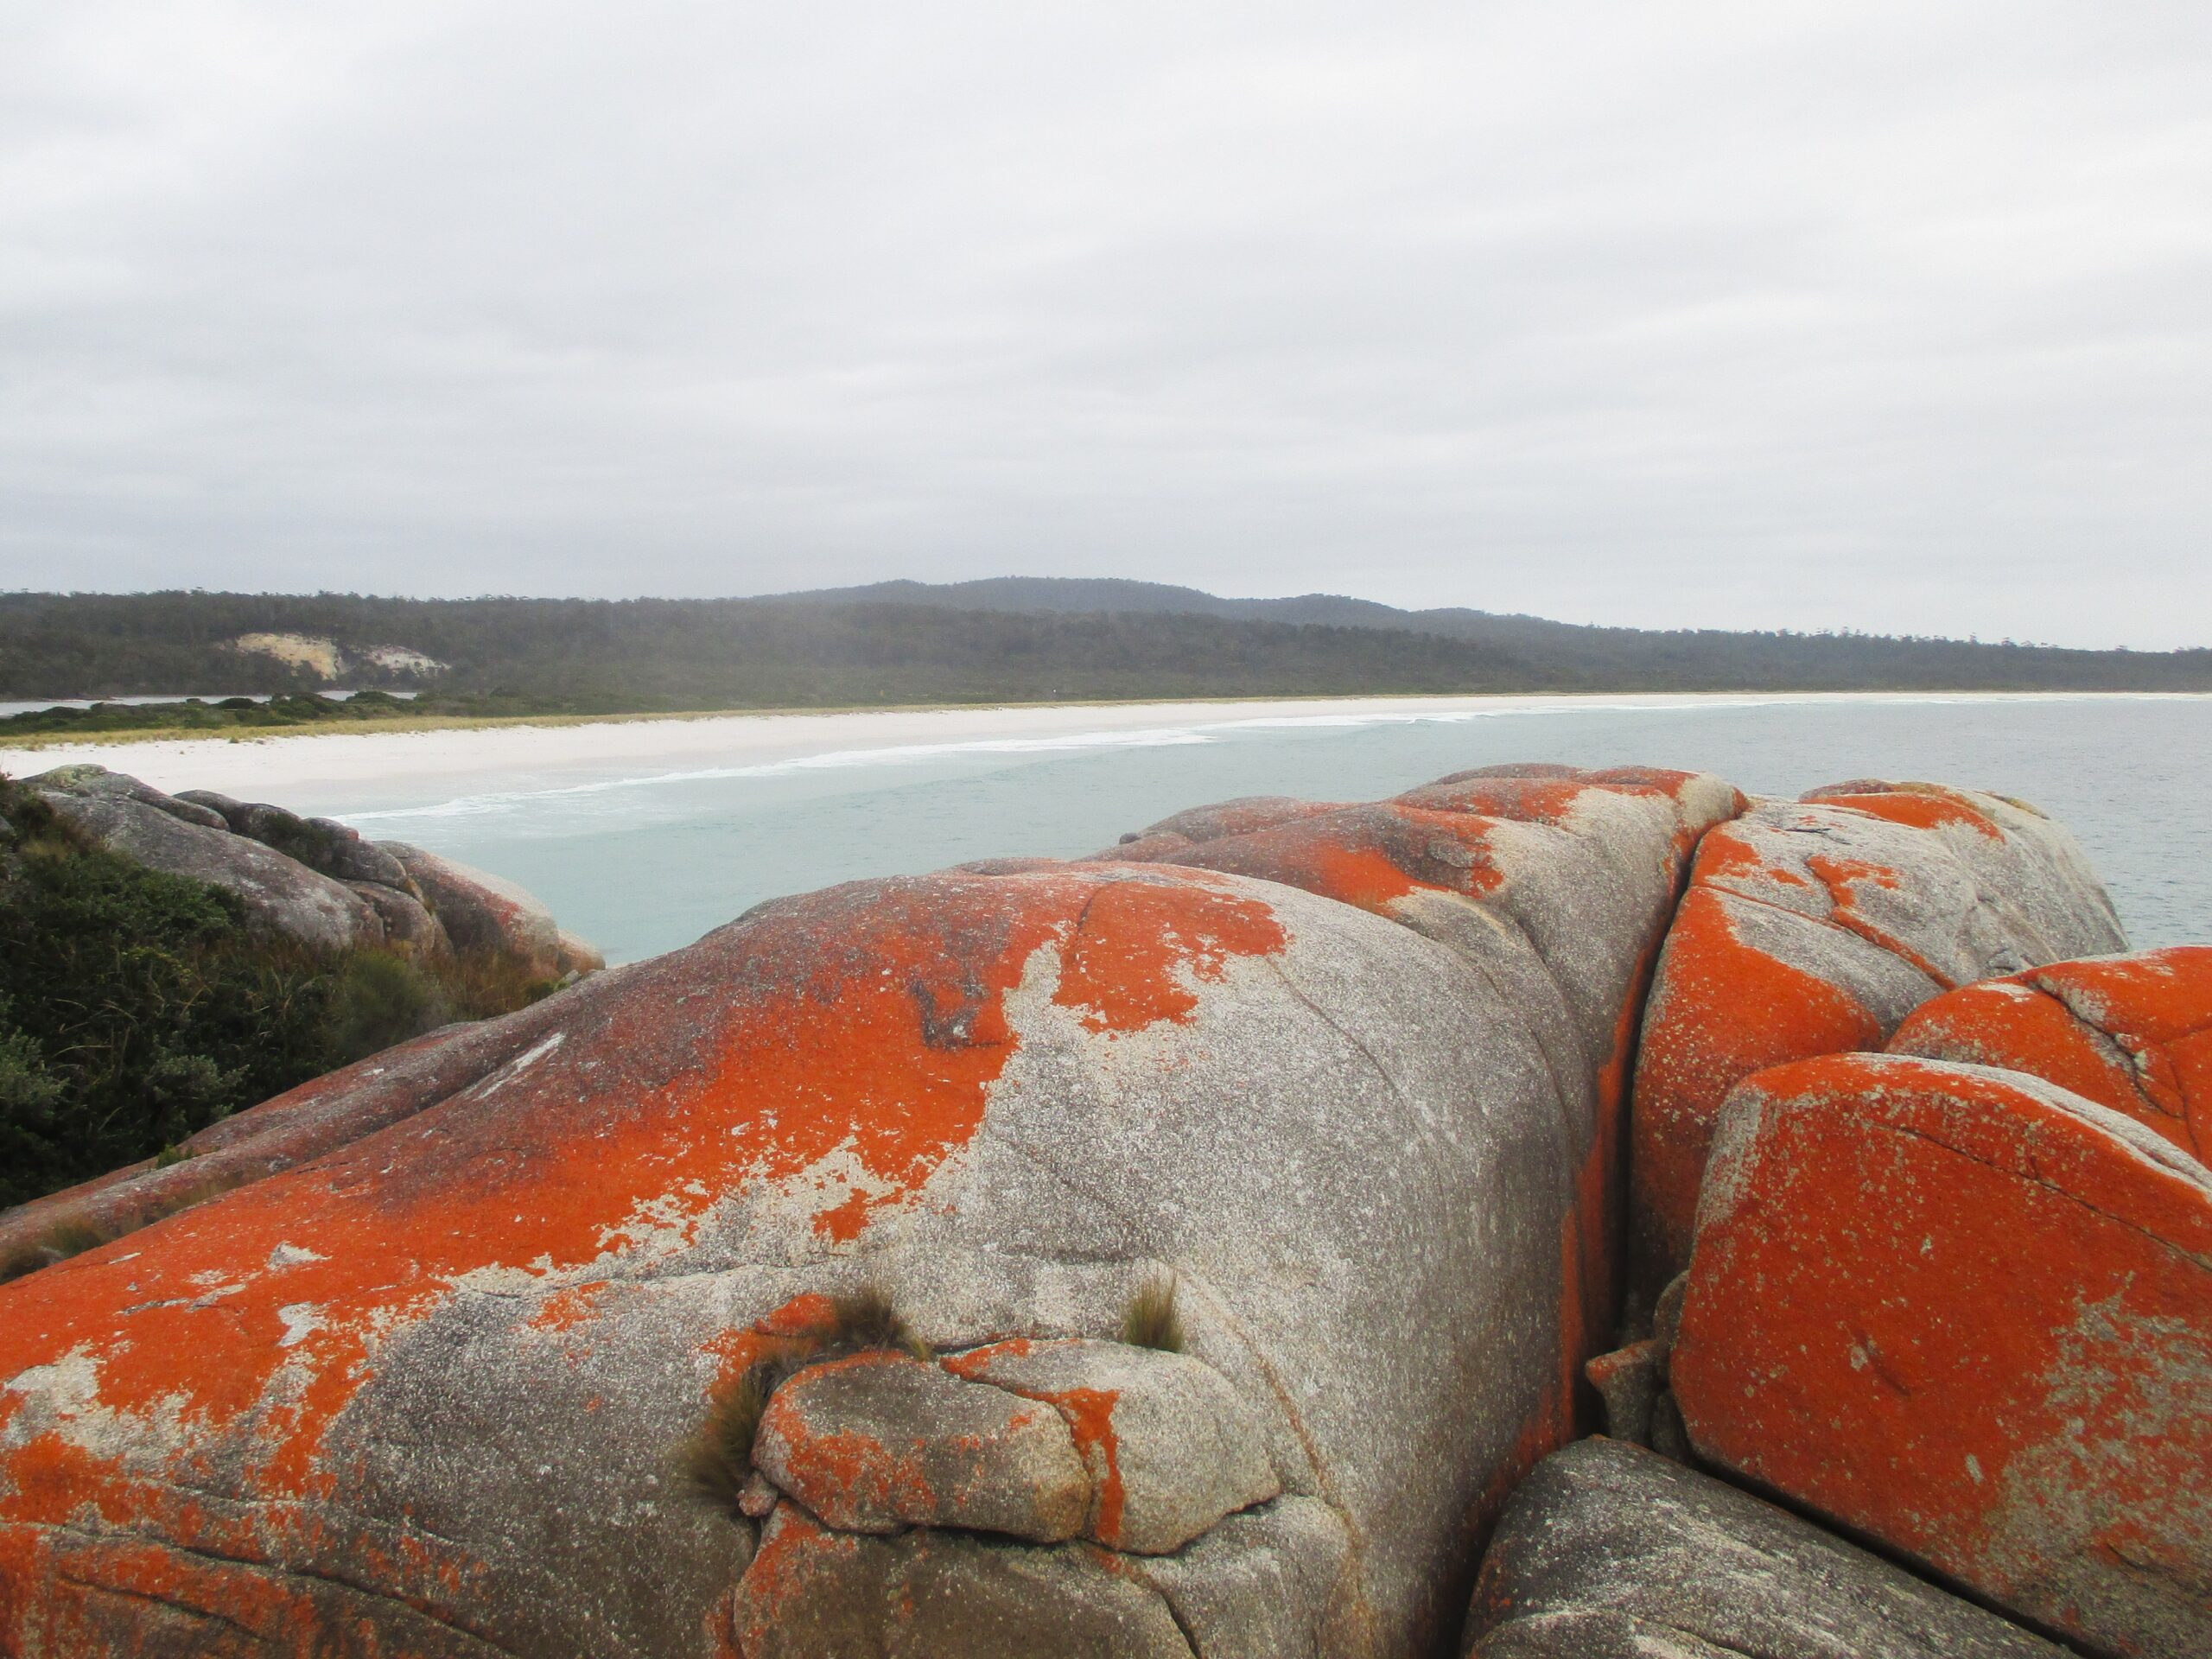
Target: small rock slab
{"points": [[877, 1442], [406, 921], [1968, 1314], [88, 778], [1607, 1551], [1261, 1585], [813, 1594], [2132, 1032], [324, 845], [1630, 1381], [1170, 1446]]}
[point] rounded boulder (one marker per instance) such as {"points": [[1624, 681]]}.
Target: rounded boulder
{"points": [[428, 1389], [1813, 927], [1968, 1314]]}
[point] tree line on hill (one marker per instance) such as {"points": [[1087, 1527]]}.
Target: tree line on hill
{"points": [[1017, 639]]}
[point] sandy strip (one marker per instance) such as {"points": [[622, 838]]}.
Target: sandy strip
{"points": [[335, 766], [280, 765]]}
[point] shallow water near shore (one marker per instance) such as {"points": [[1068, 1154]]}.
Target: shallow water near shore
{"points": [[643, 858]]}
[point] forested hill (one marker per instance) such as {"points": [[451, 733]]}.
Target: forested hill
{"points": [[1602, 658], [1013, 639]]}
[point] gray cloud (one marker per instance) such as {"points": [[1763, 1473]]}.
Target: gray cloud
{"points": [[1885, 316]]}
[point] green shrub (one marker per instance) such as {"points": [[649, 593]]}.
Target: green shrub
{"points": [[137, 1008], [379, 998]]}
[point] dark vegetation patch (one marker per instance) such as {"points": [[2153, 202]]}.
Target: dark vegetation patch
{"points": [[66, 1237], [1150, 1320], [717, 1461], [137, 1008], [863, 1321]]}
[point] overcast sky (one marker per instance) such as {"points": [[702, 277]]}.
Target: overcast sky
{"points": [[1891, 316]]}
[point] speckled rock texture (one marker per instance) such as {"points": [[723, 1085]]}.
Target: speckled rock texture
{"points": [[407, 921], [1813, 927], [1169, 1447], [423, 1392], [482, 911], [2131, 1032], [880, 1442], [88, 779], [279, 893], [1611, 1552], [945, 1595], [1555, 883], [1967, 1314], [1152, 1456]]}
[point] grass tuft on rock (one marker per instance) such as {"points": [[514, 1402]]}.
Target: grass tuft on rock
{"points": [[717, 1461], [866, 1321], [1150, 1320]]}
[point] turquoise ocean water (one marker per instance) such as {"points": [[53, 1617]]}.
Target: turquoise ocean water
{"points": [[640, 864]]}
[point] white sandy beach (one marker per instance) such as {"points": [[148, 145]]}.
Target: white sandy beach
{"points": [[328, 769]]}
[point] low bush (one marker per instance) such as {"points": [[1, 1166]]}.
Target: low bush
{"points": [[137, 1008]]}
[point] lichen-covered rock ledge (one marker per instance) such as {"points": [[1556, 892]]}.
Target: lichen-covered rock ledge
{"points": [[1189, 1251]]}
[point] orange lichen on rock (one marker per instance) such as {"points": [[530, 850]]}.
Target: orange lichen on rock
{"points": [[793, 1554], [1138, 950], [1813, 927], [317, 1117], [1969, 1315], [2130, 1033], [1725, 1010], [1846, 879], [509, 1316], [1364, 855], [1444, 839], [876, 1442], [1518, 795], [1916, 807], [787, 1335], [94, 1560], [1090, 1416], [858, 1030], [1435, 837]]}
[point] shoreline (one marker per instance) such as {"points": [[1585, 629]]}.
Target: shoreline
{"points": [[39, 741], [276, 765]]}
